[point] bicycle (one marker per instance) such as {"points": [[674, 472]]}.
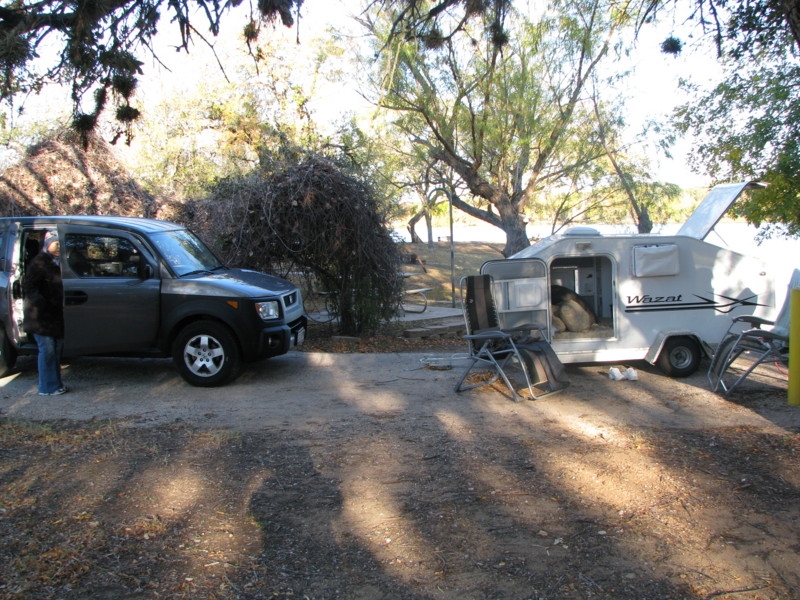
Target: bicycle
{"points": [[320, 307], [415, 301]]}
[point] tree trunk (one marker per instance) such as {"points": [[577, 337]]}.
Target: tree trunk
{"points": [[514, 226], [429, 225], [510, 220], [791, 10], [415, 239], [645, 224]]}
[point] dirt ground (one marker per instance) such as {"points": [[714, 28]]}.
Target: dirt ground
{"points": [[362, 475]]}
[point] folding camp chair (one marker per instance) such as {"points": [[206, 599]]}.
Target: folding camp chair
{"points": [[493, 348], [757, 344]]}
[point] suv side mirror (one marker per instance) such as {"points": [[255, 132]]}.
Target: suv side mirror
{"points": [[147, 271]]}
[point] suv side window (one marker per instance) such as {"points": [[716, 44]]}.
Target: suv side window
{"points": [[102, 256]]}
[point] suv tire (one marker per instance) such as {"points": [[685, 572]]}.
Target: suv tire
{"points": [[8, 355], [206, 354]]}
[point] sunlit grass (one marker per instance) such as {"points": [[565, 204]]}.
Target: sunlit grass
{"points": [[434, 272]]}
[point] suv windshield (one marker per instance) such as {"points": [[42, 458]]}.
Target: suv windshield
{"points": [[185, 253]]}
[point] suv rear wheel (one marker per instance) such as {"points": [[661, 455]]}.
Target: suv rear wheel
{"points": [[206, 354], [8, 355]]}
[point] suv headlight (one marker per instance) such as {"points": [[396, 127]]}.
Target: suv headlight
{"points": [[268, 310]]}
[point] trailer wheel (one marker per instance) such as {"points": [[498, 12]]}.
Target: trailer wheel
{"points": [[680, 356]]}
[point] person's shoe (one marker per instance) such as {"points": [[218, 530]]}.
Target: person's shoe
{"points": [[58, 392]]}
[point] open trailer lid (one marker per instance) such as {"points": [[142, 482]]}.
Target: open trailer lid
{"points": [[713, 207]]}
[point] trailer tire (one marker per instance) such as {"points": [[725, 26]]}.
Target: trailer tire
{"points": [[680, 356]]}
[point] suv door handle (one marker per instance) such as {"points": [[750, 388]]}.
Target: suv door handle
{"points": [[75, 298]]}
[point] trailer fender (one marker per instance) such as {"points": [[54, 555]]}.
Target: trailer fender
{"points": [[677, 352]]}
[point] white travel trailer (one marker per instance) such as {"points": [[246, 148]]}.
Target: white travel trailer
{"points": [[667, 299]]}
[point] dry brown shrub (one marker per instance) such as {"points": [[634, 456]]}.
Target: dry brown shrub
{"points": [[60, 177], [311, 219]]}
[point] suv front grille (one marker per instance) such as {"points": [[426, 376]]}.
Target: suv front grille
{"points": [[290, 299]]}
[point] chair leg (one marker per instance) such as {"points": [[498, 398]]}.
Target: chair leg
{"points": [[524, 368], [460, 387], [761, 358], [500, 369], [486, 358], [722, 359], [728, 351], [477, 358]]}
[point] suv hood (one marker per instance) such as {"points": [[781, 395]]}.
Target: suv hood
{"points": [[239, 282]]}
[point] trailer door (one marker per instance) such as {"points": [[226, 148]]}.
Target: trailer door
{"points": [[521, 292]]}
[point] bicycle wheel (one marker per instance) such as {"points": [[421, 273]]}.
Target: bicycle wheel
{"points": [[319, 307], [414, 302]]}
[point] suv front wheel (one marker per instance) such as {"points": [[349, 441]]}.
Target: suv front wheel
{"points": [[206, 354]]}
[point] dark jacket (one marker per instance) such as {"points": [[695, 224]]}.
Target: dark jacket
{"points": [[43, 294]]}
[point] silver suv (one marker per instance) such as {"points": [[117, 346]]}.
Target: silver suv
{"points": [[148, 288]]}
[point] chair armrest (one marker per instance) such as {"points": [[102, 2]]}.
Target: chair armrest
{"points": [[768, 335], [488, 334], [756, 322], [528, 327]]}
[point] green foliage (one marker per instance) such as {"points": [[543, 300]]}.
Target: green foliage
{"points": [[98, 46], [747, 128], [737, 26], [764, 25], [434, 24], [264, 121], [184, 144], [369, 157], [778, 206], [506, 124], [747, 125], [662, 201]]}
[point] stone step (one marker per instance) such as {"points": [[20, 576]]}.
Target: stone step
{"points": [[453, 329]]}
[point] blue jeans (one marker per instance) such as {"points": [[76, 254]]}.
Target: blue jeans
{"points": [[49, 363]]}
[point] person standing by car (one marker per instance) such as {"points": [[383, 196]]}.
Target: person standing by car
{"points": [[43, 293]]}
